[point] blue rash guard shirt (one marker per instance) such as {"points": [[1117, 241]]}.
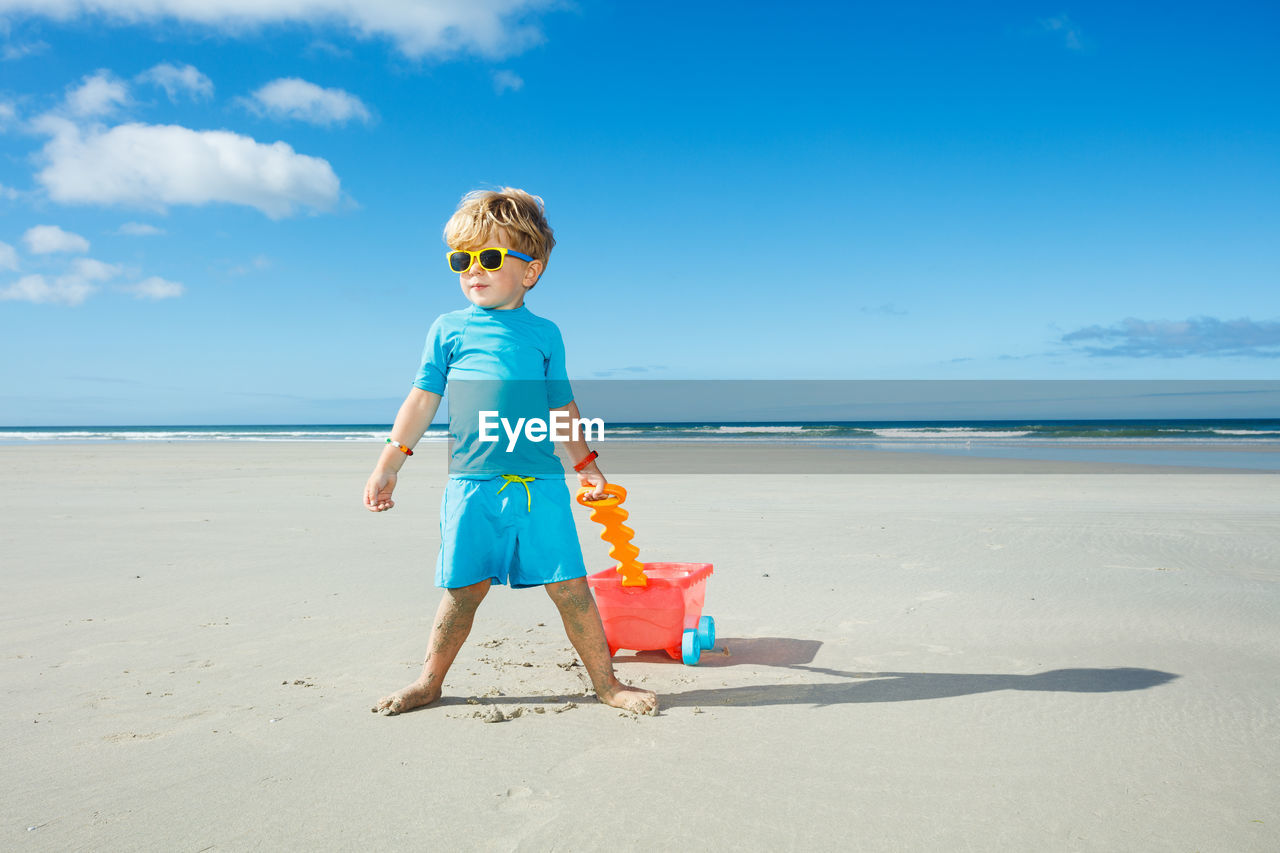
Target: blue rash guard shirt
{"points": [[508, 361]]}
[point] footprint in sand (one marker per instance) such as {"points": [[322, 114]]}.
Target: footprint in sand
{"points": [[523, 800]]}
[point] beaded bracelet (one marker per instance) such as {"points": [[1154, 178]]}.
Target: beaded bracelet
{"points": [[403, 448]]}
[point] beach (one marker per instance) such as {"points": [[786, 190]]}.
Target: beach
{"points": [[914, 652]]}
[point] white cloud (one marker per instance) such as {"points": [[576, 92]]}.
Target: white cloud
{"points": [[291, 98], [99, 94], [71, 288], [178, 80], [8, 257], [321, 47], [91, 270], [7, 112], [491, 28], [507, 81], [38, 289], [8, 193], [138, 229], [158, 165], [259, 263], [155, 288], [47, 239], [12, 52]]}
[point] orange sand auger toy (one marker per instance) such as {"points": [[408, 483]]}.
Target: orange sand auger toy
{"points": [[646, 606], [609, 512]]}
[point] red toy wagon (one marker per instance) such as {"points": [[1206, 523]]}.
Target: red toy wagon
{"points": [[647, 606]]}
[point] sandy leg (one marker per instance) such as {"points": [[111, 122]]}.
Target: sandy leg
{"points": [[586, 632], [453, 623]]}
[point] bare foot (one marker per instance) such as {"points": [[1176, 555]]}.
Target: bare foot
{"points": [[414, 696], [630, 699]]}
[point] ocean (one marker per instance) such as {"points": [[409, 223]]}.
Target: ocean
{"points": [[1252, 444]]}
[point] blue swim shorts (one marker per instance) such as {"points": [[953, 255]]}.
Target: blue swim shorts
{"points": [[495, 529]]}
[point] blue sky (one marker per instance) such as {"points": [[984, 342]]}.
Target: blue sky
{"points": [[208, 217]]}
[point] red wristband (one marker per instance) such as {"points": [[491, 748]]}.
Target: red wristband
{"points": [[585, 462]]}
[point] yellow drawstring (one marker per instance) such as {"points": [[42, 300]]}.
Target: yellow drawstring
{"points": [[524, 481]]}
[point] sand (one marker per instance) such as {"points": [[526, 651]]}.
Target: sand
{"points": [[948, 660]]}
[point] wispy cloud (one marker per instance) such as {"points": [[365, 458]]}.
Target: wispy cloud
{"points": [[629, 371], [71, 288], [507, 81], [138, 229], [493, 28], [155, 287], [885, 308], [13, 52], [292, 98], [1198, 336], [179, 81], [1068, 30], [258, 264], [78, 279], [320, 47]]}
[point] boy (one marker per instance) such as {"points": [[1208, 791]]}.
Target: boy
{"points": [[497, 356]]}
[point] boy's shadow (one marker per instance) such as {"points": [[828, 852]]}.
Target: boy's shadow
{"points": [[856, 687]]}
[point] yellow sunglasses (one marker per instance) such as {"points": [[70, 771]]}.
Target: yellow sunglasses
{"points": [[490, 259]]}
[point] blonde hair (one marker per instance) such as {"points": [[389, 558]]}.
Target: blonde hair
{"points": [[522, 216]]}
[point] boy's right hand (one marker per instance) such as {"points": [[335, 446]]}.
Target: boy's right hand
{"points": [[377, 492]]}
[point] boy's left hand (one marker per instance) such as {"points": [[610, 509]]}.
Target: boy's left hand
{"points": [[592, 476]]}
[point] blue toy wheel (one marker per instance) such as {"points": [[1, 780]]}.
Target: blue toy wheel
{"points": [[706, 632], [689, 648]]}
